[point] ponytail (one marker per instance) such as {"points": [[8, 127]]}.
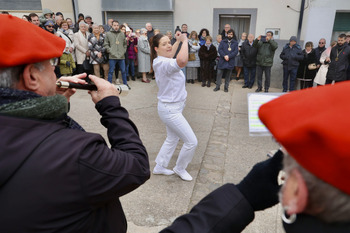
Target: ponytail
{"points": [[154, 42]]}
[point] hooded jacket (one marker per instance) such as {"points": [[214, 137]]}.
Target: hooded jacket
{"points": [[266, 52], [291, 56]]}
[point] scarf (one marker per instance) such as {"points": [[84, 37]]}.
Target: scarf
{"points": [[27, 104]]}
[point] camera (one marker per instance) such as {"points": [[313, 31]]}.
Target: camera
{"points": [[263, 39]]}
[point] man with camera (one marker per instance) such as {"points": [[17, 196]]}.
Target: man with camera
{"points": [[266, 51], [54, 176]]}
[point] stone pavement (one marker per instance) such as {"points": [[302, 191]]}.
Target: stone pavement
{"points": [[225, 152]]}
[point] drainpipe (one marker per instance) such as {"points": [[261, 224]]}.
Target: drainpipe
{"points": [[300, 20], [75, 9]]}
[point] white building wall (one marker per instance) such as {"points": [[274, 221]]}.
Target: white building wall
{"points": [[92, 8]]}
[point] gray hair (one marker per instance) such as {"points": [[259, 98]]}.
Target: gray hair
{"points": [[10, 76], [143, 30], [83, 23], [324, 200]]}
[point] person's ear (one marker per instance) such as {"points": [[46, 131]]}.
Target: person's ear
{"points": [[31, 78], [156, 49], [295, 193]]}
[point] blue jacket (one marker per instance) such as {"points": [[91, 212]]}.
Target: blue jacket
{"points": [[291, 56], [224, 50]]}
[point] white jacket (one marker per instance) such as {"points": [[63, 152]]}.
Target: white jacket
{"points": [[81, 46]]}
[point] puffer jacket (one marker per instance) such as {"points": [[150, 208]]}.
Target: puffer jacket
{"points": [[266, 52]]}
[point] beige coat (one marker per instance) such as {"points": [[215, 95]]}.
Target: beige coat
{"points": [[81, 46], [322, 72]]}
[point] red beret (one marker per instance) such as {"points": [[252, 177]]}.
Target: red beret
{"points": [[22, 43], [313, 125]]}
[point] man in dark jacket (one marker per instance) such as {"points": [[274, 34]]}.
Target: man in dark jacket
{"points": [[54, 176], [319, 50], [228, 50], [315, 199], [248, 53], [291, 55], [266, 51], [338, 61]]}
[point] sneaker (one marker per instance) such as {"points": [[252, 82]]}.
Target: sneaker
{"points": [[183, 174], [216, 88], [159, 170]]}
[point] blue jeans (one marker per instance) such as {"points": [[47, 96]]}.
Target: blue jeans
{"points": [[131, 64], [249, 79], [292, 77], [121, 64], [259, 73]]}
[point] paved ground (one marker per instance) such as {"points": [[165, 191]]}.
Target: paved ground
{"points": [[225, 152]]}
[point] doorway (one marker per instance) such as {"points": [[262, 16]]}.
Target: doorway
{"points": [[239, 23]]}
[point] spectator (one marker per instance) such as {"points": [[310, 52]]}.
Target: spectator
{"points": [[80, 18], [34, 19], [47, 15], [71, 174], [115, 45], [131, 53], [216, 44], [184, 29], [338, 61], [49, 26], [248, 55], [67, 64], [98, 55], [150, 31], [306, 73], [70, 24], [238, 59], [202, 35], [227, 27], [228, 50], [320, 78], [108, 26], [207, 53], [291, 55], [81, 46], [60, 14], [193, 60], [26, 18], [102, 29], [266, 51], [5, 13], [138, 33], [319, 50], [58, 19], [67, 34], [88, 20], [144, 59], [156, 31], [314, 198], [169, 35]]}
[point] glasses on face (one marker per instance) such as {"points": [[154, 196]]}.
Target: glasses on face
{"points": [[49, 26], [321, 42]]}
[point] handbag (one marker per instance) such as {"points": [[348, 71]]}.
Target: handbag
{"points": [[87, 65], [191, 57], [312, 66]]}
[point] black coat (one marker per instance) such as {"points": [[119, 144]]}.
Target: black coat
{"points": [[248, 54], [291, 56], [225, 210], [337, 69], [207, 58], [303, 70], [56, 179], [319, 52]]}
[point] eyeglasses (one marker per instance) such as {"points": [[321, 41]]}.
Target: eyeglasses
{"points": [[49, 26], [321, 42]]}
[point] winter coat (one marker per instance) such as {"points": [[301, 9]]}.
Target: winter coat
{"points": [[248, 54], [303, 70], [318, 52], [226, 210], [322, 71], [337, 69], [81, 46], [207, 61], [42, 18], [193, 47], [291, 56], [131, 45], [115, 49], [143, 54], [224, 50], [57, 179], [266, 52], [64, 68], [68, 36], [95, 47]]}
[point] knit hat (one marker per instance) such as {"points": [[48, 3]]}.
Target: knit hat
{"points": [[23, 43], [313, 126], [293, 38]]}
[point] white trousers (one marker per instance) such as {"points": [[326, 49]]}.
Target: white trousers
{"points": [[177, 128]]}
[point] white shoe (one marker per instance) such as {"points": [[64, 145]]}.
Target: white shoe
{"points": [[183, 174], [159, 170]]}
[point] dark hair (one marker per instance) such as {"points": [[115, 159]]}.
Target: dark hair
{"points": [[81, 15], [115, 21], [27, 17], [155, 43], [183, 24], [201, 31], [5, 12], [233, 32], [342, 35], [270, 32], [309, 44], [32, 15]]}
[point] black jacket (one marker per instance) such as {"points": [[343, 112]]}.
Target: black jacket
{"points": [[56, 179], [338, 67], [291, 56], [225, 210], [303, 70], [318, 52], [248, 54]]}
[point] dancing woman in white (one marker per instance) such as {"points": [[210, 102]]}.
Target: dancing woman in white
{"points": [[171, 102]]}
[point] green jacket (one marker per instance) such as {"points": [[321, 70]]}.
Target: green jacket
{"points": [[64, 69], [115, 49], [266, 52]]}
